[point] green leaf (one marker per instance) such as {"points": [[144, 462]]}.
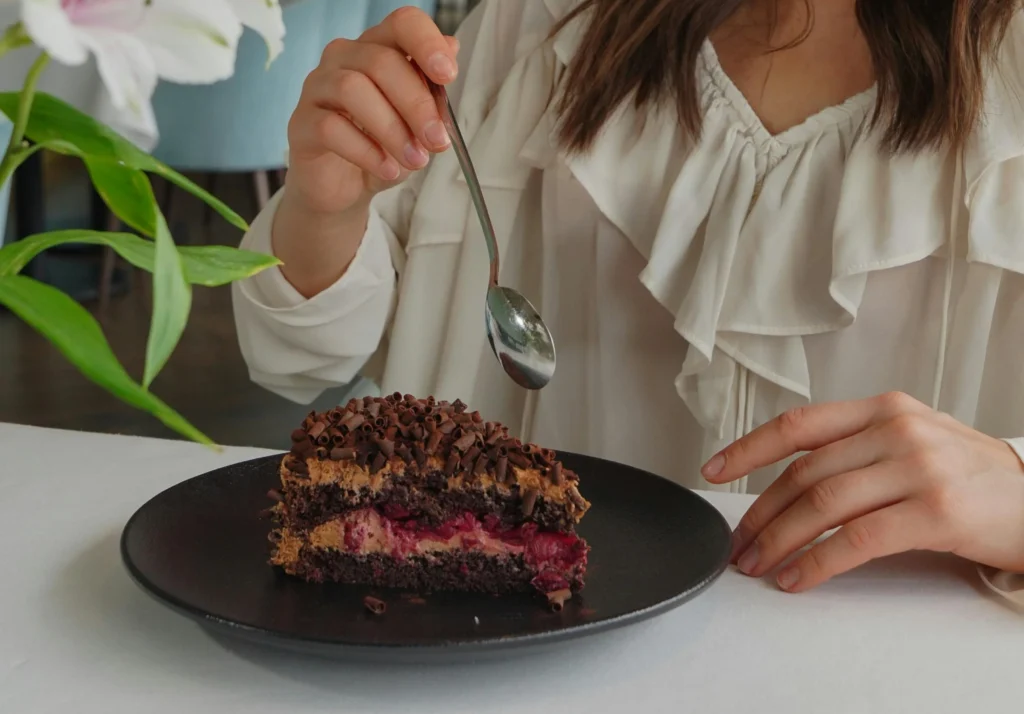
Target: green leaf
{"points": [[126, 191], [52, 120], [172, 301], [206, 265], [78, 336]]}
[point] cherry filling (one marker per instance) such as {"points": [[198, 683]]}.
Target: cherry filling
{"points": [[558, 559]]}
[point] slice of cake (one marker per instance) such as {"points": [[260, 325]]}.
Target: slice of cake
{"points": [[423, 495]]}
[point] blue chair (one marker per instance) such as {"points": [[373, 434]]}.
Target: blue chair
{"points": [[240, 125]]}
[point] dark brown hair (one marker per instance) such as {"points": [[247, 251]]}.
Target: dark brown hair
{"points": [[930, 61]]}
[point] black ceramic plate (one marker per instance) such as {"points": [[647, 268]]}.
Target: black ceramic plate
{"points": [[201, 548]]}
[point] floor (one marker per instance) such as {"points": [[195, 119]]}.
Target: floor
{"points": [[206, 379]]}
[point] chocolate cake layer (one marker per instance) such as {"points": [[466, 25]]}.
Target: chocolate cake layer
{"points": [[307, 506], [458, 570], [425, 456]]}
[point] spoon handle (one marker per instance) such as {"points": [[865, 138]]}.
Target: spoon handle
{"points": [[462, 152]]}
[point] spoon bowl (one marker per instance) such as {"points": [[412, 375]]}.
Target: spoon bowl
{"points": [[519, 338]]}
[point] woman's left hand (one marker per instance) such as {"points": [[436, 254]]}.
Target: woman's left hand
{"points": [[893, 474]]}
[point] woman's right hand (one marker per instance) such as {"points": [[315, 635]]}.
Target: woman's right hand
{"points": [[364, 122], [366, 119]]}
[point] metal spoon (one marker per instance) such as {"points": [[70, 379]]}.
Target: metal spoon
{"points": [[518, 336]]}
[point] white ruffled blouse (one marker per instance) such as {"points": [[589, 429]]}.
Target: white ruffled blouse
{"points": [[694, 289]]}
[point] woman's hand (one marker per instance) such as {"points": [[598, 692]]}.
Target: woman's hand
{"points": [[364, 122], [366, 119], [894, 474]]}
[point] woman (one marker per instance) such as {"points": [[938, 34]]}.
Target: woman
{"points": [[756, 229]]}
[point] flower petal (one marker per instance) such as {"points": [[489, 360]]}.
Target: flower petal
{"points": [[192, 41], [50, 27], [263, 16], [126, 67]]}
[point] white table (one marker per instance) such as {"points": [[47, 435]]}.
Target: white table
{"points": [[915, 634]]}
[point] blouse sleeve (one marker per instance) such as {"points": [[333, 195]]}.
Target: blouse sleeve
{"points": [[298, 347]]}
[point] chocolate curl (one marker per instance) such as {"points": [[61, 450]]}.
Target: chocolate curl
{"points": [[558, 599], [298, 435], [540, 460], [353, 422], [519, 460], [430, 425], [317, 429], [576, 498], [373, 410], [470, 457], [419, 432], [420, 455], [556, 473], [495, 437], [501, 468], [321, 452], [447, 427], [396, 398], [481, 464], [407, 417], [465, 441], [362, 457], [303, 449], [275, 495], [434, 442], [324, 439], [488, 429], [405, 431], [375, 605], [529, 449], [356, 404], [529, 501], [409, 399], [447, 409], [391, 433], [342, 454], [477, 418], [453, 463], [366, 428], [380, 423], [378, 463], [335, 434], [298, 466], [386, 446]]}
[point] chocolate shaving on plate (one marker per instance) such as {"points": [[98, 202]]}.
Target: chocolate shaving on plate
{"points": [[558, 599], [375, 605]]}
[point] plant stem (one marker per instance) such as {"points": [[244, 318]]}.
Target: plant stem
{"points": [[28, 95]]}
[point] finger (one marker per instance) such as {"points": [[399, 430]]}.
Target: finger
{"points": [[353, 93], [826, 505], [340, 136], [856, 452], [803, 429], [413, 32], [402, 86], [892, 530]]}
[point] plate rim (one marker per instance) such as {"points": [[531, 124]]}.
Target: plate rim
{"points": [[279, 638]]}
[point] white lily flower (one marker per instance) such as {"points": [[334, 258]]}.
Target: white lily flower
{"points": [[263, 16], [136, 42]]}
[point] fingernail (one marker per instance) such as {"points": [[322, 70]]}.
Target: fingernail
{"points": [[390, 170], [415, 156], [441, 66], [748, 561], [788, 578], [713, 467], [436, 134]]}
